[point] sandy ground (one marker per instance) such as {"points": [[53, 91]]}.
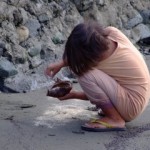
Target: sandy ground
{"points": [[34, 121]]}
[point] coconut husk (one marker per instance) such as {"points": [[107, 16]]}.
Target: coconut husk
{"points": [[59, 88]]}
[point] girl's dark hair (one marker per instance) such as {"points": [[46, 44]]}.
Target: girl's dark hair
{"points": [[84, 47]]}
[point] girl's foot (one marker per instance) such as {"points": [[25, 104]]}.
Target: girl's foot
{"points": [[112, 123]]}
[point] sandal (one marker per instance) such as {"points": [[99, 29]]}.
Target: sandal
{"points": [[107, 125]]}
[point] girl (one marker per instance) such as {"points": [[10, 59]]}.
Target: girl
{"points": [[111, 72]]}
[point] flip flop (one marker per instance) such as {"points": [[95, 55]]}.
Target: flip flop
{"points": [[107, 125]]}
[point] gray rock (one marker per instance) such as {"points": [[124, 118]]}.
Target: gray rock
{"points": [[1, 51], [56, 9], [36, 1], [29, 8], [2, 48], [134, 21], [2, 45], [48, 54], [146, 16], [43, 18], [35, 62], [12, 2], [7, 52], [18, 19], [21, 83], [24, 15], [35, 50], [72, 18], [2, 12], [19, 54], [100, 2], [83, 5], [7, 69], [9, 31], [140, 32], [58, 38], [24, 85], [33, 25]]}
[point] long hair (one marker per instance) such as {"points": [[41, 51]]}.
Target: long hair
{"points": [[85, 46]]}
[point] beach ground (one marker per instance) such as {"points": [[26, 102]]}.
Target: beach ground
{"points": [[33, 121]]}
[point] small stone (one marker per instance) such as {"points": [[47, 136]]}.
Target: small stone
{"points": [[23, 106], [23, 33], [51, 135], [43, 18], [35, 50], [9, 118], [58, 38], [78, 132]]}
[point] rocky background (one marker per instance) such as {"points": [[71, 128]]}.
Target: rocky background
{"points": [[33, 34]]}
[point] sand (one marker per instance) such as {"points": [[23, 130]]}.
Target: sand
{"points": [[33, 121]]}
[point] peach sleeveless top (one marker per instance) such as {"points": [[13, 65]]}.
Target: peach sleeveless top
{"points": [[127, 66]]}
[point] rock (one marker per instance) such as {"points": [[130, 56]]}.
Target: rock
{"points": [[18, 19], [145, 42], [36, 1], [72, 18], [134, 21], [43, 18], [35, 50], [100, 2], [12, 2], [58, 38], [29, 9], [33, 25], [2, 48], [7, 69], [19, 54], [47, 53], [9, 31], [140, 32], [24, 15], [35, 62], [83, 5], [2, 12], [21, 83], [24, 106], [146, 16], [7, 52], [1, 51], [56, 9], [23, 33], [130, 17]]}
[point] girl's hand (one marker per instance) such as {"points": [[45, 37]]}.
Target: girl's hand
{"points": [[74, 95], [54, 68], [70, 95]]}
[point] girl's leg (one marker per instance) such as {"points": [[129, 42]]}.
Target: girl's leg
{"points": [[101, 90]]}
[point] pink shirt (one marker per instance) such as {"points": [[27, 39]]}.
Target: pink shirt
{"points": [[127, 66]]}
